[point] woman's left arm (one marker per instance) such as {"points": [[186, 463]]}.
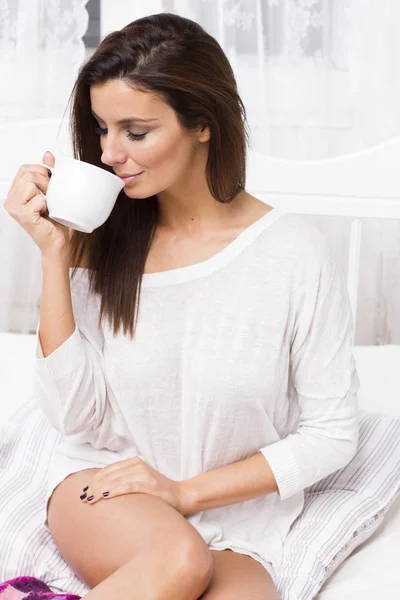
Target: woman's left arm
{"points": [[237, 482], [323, 372]]}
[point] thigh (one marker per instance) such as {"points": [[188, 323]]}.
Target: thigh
{"points": [[238, 577], [96, 540]]}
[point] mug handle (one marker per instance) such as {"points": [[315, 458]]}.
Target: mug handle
{"points": [[51, 169]]}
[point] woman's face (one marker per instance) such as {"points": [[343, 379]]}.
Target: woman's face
{"points": [[151, 141]]}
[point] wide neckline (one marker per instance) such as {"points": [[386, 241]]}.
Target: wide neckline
{"points": [[215, 262]]}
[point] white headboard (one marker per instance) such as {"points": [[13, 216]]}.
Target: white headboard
{"points": [[361, 185]]}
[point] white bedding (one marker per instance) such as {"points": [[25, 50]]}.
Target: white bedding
{"points": [[370, 571]]}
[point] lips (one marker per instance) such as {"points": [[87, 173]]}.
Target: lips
{"points": [[126, 176], [129, 178]]}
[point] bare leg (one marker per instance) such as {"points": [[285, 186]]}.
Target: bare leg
{"points": [[152, 576], [133, 547], [239, 577]]}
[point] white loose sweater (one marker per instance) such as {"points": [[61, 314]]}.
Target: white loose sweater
{"points": [[248, 351]]}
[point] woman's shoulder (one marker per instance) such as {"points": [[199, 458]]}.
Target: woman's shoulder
{"points": [[295, 237], [283, 230]]}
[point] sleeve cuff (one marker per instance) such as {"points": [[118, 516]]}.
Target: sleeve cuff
{"points": [[66, 359], [287, 472]]}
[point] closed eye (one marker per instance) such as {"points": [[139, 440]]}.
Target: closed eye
{"points": [[130, 135]]}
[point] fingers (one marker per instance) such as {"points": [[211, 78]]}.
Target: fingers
{"points": [[122, 477], [35, 168], [48, 159], [38, 179], [38, 205], [21, 212], [29, 181], [31, 213], [111, 488], [23, 191]]}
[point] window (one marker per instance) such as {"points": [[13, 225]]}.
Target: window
{"points": [[91, 38]]}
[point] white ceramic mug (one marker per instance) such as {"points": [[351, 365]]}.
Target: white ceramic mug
{"points": [[80, 195]]}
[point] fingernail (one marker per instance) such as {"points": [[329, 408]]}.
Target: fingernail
{"points": [[90, 498], [85, 489], [106, 494], [82, 497]]}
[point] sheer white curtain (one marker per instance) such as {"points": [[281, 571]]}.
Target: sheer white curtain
{"points": [[319, 77], [41, 49]]}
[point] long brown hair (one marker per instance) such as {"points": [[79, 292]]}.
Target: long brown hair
{"points": [[178, 60]]}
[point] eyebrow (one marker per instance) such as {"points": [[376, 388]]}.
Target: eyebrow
{"points": [[127, 121]]}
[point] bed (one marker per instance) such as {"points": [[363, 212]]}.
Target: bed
{"points": [[372, 569], [360, 186]]}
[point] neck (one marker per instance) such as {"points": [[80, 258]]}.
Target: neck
{"points": [[194, 210]]}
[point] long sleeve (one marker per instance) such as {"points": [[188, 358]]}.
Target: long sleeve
{"points": [[324, 377], [70, 383]]}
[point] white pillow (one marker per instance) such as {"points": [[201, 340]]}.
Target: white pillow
{"points": [[342, 510], [371, 571], [378, 369]]}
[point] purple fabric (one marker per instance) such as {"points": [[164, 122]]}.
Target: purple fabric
{"points": [[30, 588]]}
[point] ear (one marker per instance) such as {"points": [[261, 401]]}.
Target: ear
{"points": [[203, 134]]}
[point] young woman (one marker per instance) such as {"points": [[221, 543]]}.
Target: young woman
{"points": [[198, 359]]}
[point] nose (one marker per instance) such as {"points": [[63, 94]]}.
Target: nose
{"points": [[112, 152]]}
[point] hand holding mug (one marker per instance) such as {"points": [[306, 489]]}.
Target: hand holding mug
{"points": [[26, 203], [79, 196]]}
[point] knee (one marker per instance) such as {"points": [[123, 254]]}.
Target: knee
{"points": [[195, 563]]}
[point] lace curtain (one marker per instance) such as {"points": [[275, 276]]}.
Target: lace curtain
{"points": [[319, 78], [41, 50]]}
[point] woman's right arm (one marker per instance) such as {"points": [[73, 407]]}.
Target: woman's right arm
{"points": [[69, 370], [69, 373], [69, 379], [57, 322]]}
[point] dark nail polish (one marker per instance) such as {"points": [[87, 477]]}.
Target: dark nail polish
{"points": [[90, 498], [85, 489], [105, 494], [82, 497]]}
